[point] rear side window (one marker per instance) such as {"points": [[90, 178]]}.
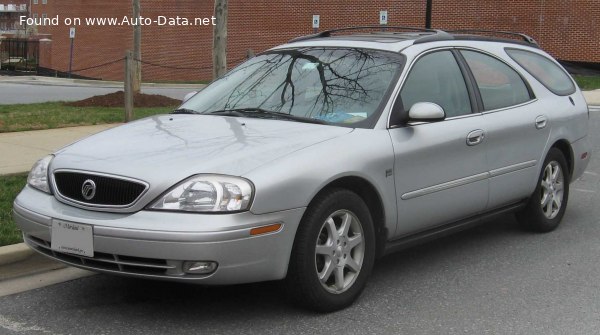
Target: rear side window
{"points": [[544, 70], [499, 85]]}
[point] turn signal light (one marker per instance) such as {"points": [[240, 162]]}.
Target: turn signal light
{"points": [[265, 229]]}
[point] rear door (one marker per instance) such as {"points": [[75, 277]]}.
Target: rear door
{"points": [[517, 130], [440, 167]]}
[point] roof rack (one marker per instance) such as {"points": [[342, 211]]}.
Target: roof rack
{"points": [[327, 33], [524, 37], [434, 34]]}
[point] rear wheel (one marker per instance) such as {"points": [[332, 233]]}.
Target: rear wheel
{"points": [[333, 253], [548, 203]]}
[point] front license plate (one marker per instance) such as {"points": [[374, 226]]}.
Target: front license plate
{"points": [[72, 238]]}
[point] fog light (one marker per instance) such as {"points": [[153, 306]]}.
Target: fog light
{"points": [[199, 268]]}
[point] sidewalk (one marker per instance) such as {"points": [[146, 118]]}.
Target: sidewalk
{"points": [[592, 97], [19, 150]]}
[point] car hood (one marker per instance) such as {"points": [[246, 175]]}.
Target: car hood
{"points": [[168, 148]]}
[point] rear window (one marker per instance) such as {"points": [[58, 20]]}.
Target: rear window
{"points": [[544, 70]]}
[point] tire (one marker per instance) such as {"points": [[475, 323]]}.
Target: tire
{"points": [[548, 203], [335, 240]]}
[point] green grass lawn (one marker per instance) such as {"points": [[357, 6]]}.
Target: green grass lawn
{"points": [[56, 115], [588, 82], [10, 186]]}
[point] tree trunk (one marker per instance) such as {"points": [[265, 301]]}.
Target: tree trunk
{"points": [[220, 39], [137, 49]]}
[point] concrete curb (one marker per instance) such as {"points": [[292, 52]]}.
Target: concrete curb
{"points": [[22, 269], [14, 253]]}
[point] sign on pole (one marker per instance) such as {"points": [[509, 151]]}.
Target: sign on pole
{"points": [[316, 21], [383, 17], [72, 37]]}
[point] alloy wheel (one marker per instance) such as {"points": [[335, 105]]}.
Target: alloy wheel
{"points": [[339, 251], [552, 187]]}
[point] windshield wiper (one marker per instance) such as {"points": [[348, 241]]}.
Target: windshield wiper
{"points": [[184, 111], [259, 112], [228, 112]]}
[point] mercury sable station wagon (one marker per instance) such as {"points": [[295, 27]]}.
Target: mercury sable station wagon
{"points": [[312, 159]]}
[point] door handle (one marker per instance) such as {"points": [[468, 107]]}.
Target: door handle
{"points": [[475, 137], [541, 122]]}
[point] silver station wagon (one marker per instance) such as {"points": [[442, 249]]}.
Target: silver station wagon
{"points": [[312, 159]]}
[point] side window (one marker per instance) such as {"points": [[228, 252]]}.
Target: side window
{"points": [[544, 70], [437, 78], [499, 85]]}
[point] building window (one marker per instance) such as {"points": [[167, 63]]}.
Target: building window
{"points": [[44, 16], [44, 2], [35, 2], [35, 15]]}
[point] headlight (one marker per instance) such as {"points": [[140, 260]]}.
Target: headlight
{"points": [[38, 176], [207, 193]]}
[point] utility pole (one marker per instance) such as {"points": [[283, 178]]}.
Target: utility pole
{"points": [[220, 39], [128, 85], [137, 48], [428, 10]]}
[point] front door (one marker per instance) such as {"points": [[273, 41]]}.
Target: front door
{"points": [[440, 168]]}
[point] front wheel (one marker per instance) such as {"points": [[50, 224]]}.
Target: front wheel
{"points": [[333, 253], [548, 203]]}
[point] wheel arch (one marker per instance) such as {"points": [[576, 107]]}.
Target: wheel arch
{"points": [[372, 198], [565, 147]]}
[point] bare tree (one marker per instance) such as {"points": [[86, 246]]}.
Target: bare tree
{"points": [[220, 39]]}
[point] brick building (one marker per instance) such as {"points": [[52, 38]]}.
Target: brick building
{"points": [[10, 10], [567, 29]]}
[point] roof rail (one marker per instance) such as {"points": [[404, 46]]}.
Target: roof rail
{"points": [[435, 34], [524, 37], [327, 33]]}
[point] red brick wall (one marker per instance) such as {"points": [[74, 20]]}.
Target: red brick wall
{"points": [[567, 29], [92, 45]]}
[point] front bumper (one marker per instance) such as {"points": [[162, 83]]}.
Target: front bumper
{"points": [[154, 244]]}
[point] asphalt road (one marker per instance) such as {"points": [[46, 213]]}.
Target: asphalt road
{"points": [[493, 279], [17, 93]]}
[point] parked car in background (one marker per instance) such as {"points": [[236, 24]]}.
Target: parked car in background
{"points": [[312, 159]]}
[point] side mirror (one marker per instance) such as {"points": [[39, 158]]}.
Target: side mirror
{"points": [[189, 95], [426, 112]]}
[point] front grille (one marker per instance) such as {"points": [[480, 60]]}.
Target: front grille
{"points": [[110, 191], [108, 262]]}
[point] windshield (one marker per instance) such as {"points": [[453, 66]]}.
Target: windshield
{"points": [[337, 86]]}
